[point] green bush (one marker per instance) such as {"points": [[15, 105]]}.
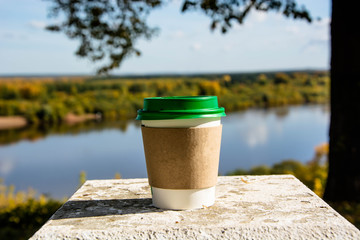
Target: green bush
{"points": [[22, 213], [22, 221]]}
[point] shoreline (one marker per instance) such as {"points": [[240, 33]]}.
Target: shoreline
{"points": [[16, 122], [71, 118], [12, 122]]}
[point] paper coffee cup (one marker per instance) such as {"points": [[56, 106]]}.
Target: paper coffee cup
{"points": [[182, 137]]}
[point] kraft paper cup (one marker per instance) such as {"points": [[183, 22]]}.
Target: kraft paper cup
{"points": [[182, 154]]}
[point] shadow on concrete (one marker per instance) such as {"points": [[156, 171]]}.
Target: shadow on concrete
{"points": [[96, 208]]}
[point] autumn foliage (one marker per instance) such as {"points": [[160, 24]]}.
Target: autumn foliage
{"points": [[50, 100]]}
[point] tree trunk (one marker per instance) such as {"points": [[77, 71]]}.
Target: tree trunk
{"points": [[344, 156]]}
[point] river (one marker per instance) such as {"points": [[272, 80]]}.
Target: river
{"points": [[52, 161]]}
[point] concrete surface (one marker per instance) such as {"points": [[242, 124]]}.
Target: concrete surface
{"points": [[247, 207]]}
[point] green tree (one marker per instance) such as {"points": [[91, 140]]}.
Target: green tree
{"points": [[262, 79], [110, 29], [281, 78]]}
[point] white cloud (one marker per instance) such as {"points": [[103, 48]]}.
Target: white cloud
{"points": [[6, 166], [237, 27], [317, 38], [37, 24], [321, 31], [196, 46], [323, 38], [12, 35], [177, 34], [324, 22], [228, 47], [256, 135], [252, 19], [292, 29], [7, 35], [315, 46], [278, 16], [259, 16]]}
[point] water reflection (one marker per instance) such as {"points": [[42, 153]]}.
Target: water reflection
{"points": [[267, 136], [53, 158], [281, 112], [6, 166], [37, 132]]}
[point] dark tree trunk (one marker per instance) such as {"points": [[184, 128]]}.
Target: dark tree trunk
{"points": [[344, 156]]}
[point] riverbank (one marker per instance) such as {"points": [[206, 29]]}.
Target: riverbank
{"points": [[71, 118], [16, 122], [12, 122]]}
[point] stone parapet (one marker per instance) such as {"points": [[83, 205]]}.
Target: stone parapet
{"points": [[247, 207]]}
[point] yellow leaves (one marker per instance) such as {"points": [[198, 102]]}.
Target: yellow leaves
{"points": [[115, 94], [14, 219], [313, 174], [9, 199], [60, 95], [73, 90], [42, 200], [226, 78], [322, 149], [22, 212], [31, 90], [318, 187], [244, 181], [82, 178], [210, 88], [117, 175]]}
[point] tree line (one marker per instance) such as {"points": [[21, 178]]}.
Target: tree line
{"points": [[49, 100]]}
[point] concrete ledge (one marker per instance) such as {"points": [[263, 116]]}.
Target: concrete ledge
{"points": [[247, 207]]}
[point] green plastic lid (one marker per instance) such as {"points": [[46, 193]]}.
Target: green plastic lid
{"points": [[185, 107]]}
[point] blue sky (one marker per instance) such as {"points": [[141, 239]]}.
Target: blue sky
{"points": [[185, 44]]}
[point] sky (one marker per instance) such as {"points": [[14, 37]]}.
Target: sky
{"points": [[185, 43]]}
